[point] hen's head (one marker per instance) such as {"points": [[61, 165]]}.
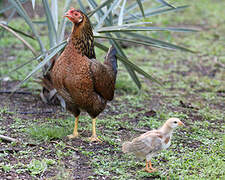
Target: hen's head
{"points": [[81, 35], [76, 16]]}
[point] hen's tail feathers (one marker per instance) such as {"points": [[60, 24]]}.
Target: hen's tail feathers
{"points": [[46, 83], [126, 147], [48, 92], [111, 58]]}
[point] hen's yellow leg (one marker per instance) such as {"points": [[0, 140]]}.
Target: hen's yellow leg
{"points": [[75, 131], [94, 136]]}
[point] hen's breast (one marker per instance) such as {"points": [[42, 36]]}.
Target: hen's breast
{"points": [[71, 73], [72, 77]]}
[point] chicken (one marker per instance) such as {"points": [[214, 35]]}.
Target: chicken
{"points": [[83, 82], [151, 142]]}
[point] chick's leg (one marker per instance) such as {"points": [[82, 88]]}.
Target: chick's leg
{"points": [[148, 167], [75, 131], [94, 136]]}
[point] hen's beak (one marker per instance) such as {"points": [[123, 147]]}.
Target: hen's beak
{"points": [[180, 123], [68, 15]]}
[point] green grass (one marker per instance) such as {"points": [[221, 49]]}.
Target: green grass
{"points": [[197, 150]]}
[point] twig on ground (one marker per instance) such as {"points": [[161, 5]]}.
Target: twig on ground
{"points": [[10, 150], [9, 139], [16, 92], [141, 130], [70, 147], [218, 63], [37, 112], [67, 146]]}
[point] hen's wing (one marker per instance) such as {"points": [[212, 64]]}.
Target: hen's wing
{"points": [[103, 79]]}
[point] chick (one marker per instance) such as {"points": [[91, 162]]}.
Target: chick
{"points": [[150, 143]]}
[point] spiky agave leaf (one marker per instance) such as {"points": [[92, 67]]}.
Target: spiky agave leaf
{"points": [[19, 37], [107, 27], [47, 58], [17, 4], [114, 28]]}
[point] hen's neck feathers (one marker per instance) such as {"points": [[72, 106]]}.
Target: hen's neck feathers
{"points": [[82, 38]]}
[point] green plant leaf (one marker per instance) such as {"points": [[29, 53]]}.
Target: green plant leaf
{"points": [[22, 12], [129, 63], [128, 28], [19, 37], [39, 22], [98, 13], [37, 58], [56, 50], [96, 9], [82, 7], [33, 3], [153, 12], [120, 19], [157, 42], [50, 22], [141, 7], [62, 25], [2, 10], [54, 13], [165, 3], [16, 30], [102, 19], [128, 68], [148, 42], [132, 6]]}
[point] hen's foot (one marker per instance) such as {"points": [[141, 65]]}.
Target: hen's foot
{"points": [[72, 136], [94, 139]]}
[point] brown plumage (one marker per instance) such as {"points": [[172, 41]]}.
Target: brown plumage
{"points": [[82, 81], [151, 142]]}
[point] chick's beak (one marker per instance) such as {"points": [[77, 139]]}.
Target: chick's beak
{"points": [[180, 123]]}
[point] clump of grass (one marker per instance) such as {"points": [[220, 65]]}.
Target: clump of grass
{"points": [[46, 132], [39, 166]]}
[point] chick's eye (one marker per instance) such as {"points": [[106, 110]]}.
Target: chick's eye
{"points": [[175, 122]]}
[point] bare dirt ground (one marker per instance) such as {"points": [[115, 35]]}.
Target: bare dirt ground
{"points": [[26, 106]]}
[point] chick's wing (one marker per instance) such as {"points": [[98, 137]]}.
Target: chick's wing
{"points": [[143, 145]]}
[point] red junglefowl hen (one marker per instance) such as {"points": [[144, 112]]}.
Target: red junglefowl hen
{"points": [[82, 81]]}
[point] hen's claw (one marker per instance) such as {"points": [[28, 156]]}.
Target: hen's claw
{"points": [[94, 139], [72, 136]]}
